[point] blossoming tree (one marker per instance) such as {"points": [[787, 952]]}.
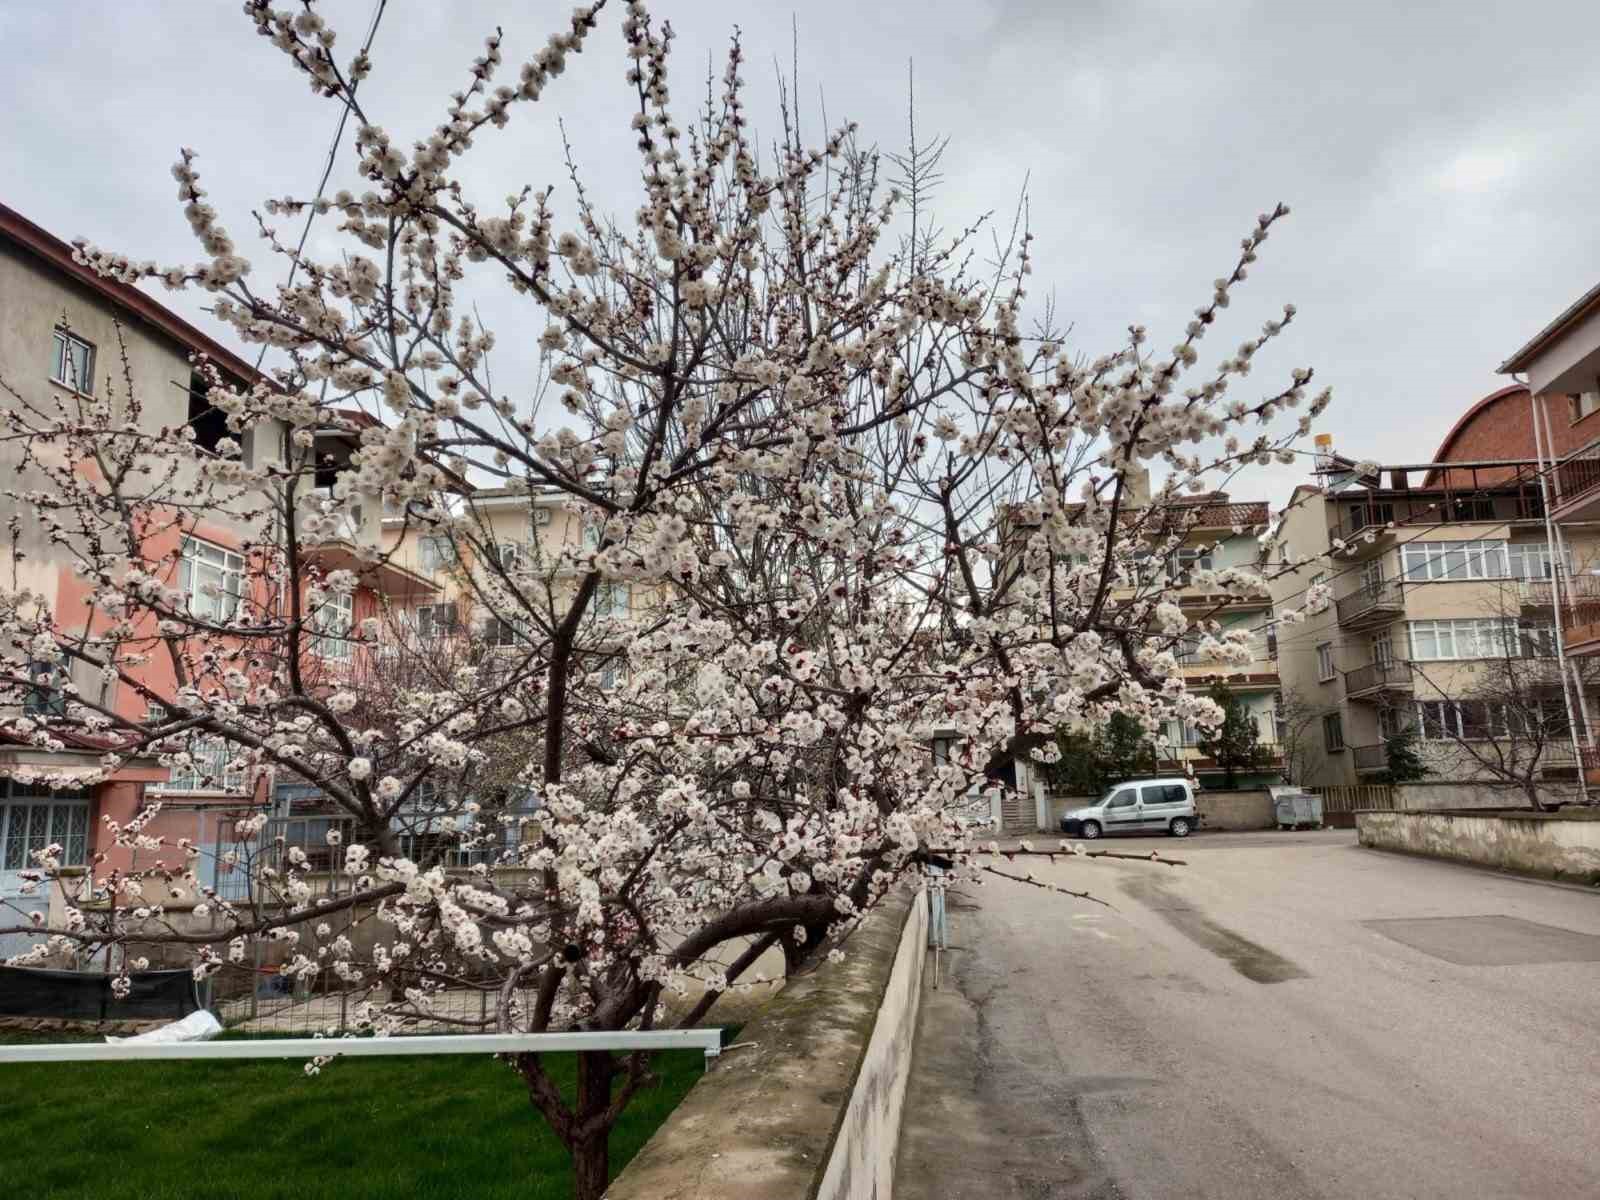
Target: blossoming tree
{"points": [[869, 504]]}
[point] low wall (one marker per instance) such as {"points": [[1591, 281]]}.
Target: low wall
{"points": [[1437, 795], [1243, 809], [1235, 810], [1561, 845], [809, 1105]]}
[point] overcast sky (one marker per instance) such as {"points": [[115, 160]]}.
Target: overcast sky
{"points": [[1439, 157]]}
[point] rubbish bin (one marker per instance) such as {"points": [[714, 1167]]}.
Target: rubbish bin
{"points": [[1293, 809]]}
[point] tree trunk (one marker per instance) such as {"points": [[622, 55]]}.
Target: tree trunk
{"points": [[591, 1144]]}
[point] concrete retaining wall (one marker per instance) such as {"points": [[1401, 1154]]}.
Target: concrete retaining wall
{"points": [[1561, 845], [1431, 796], [809, 1104]]}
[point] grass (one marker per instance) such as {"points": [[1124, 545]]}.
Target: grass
{"points": [[430, 1127]]}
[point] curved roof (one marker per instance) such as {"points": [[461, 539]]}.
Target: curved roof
{"points": [[1466, 418]]}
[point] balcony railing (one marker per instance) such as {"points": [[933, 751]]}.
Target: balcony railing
{"points": [[1355, 519], [1577, 478], [1540, 593], [1378, 677], [1372, 605]]}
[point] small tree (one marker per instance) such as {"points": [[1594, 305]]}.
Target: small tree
{"points": [[1405, 763], [1234, 743], [1124, 750], [1299, 723]]}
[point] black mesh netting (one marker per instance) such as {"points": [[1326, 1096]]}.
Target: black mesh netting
{"points": [[74, 995]]}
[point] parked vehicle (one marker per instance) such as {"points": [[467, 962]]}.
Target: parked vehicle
{"points": [[1138, 806]]}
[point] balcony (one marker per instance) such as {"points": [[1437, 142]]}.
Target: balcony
{"points": [[1540, 593], [1580, 627], [1364, 528], [1376, 679], [1370, 758], [1372, 606], [1577, 480]]}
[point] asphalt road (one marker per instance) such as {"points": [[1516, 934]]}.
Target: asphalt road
{"points": [[1235, 1028]]}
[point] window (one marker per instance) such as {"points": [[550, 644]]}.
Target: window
{"points": [[30, 821], [611, 600], [1464, 637], [1123, 799], [1191, 558], [1583, 404], [1164, 793], [209, 424], [1318, 578], [510, 555], [1382, 649], [501, 632], [212, 578], [1333, 732], [1388, 721], [72, 362], [333, 622], [1325, 662], [1453, 560], [211, 766], [591, 537], [435, 620], [45, 698], [1372, 575], [1535, 560], [435, 552]]}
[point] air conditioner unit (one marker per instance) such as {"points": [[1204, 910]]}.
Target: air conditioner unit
{"points": [[542, 514]]}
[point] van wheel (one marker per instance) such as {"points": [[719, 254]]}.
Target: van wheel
{"points": [[1179, 827], [1091, 830]]}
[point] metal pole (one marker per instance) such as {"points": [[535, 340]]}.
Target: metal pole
{"points": [[1555, 548]]}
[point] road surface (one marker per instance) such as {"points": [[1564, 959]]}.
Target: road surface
{"points": [[1247, 1026]]}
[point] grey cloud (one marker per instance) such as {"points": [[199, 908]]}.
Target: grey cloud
{"points": [[1438, 155]]}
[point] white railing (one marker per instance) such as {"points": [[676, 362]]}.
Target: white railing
{"points": [[707, 1040]]}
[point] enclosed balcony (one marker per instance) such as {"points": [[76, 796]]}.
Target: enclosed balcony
{"points": [[1376, 680], [1369, 607]]}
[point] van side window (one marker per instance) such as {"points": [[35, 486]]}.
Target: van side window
{"points": [[1176, 793], [1157, 794], [1122, 799]]}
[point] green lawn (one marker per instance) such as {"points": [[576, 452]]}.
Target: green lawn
{"points": [[434, 1128]]}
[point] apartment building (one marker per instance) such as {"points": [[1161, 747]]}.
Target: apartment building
{"points": [[68, 334], [1446, 578], [533, 535], [1219, 532], [1206, 532]]}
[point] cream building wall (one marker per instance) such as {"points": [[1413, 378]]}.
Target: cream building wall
{"points": [[1349, 641]]}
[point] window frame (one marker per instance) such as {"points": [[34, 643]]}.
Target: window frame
{"points": [[332, 626], [227, 779], [62, 340], [1454, 561], [1327, 669], [1333, 732], [192, 560], [65, 806], [436, 552], [425, 619]]}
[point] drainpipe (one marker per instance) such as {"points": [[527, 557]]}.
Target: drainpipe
{"points": [[1555, 547]]}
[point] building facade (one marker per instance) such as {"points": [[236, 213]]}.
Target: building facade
{"points": [[1444, 632], [68, 337]]}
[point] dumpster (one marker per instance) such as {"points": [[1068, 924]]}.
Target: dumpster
{"points": [[1293, 809]]}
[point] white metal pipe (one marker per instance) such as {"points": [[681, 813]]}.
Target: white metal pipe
{"points": [[707, 1040]]}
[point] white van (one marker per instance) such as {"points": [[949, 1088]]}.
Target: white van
{"points": [[1138, 806]]}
